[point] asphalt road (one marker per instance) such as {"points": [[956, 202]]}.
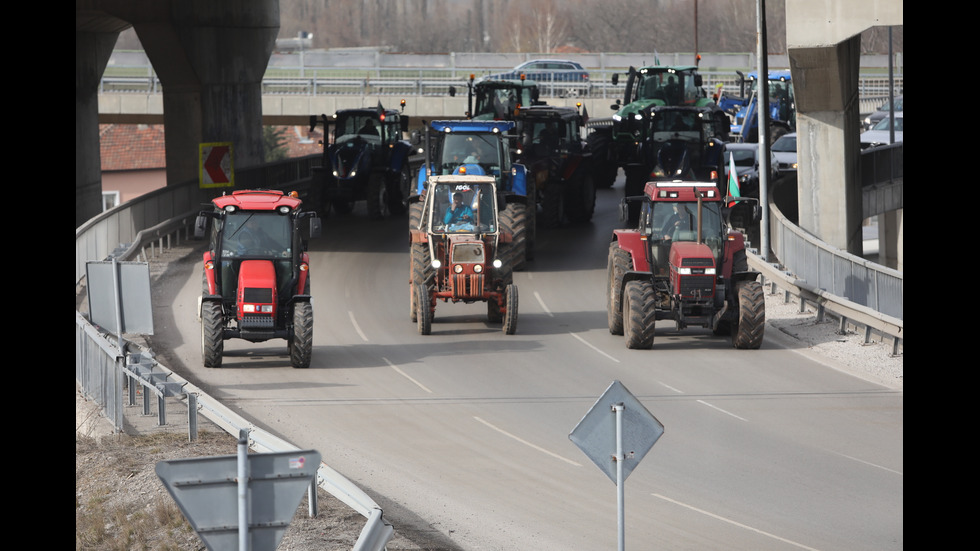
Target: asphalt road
{"points": [[467, 428]]}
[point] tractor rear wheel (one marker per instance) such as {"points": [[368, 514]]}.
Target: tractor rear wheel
{"points": [[301, 342], [552, 205], [603, 170], [513, 219], [618, 264], [510, 316], [377, 197], [580, 199], [424, 308], [750, 326], [212, 341], [641, 315]]}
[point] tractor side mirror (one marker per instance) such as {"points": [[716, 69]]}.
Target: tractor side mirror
{"points": [[452, 91], [623, 210], [200, 226], [615, 79]]}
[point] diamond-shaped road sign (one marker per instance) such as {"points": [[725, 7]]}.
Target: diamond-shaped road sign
{"points": [[595, 434], [206, 490]]}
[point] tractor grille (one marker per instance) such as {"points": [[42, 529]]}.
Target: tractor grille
{"points": [[694, 262], [468, 286], [256, 322], [257, 295], [697, 286]]}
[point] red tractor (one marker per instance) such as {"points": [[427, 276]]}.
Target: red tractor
{"points": [[256, 283], [455, 252], [683, 263]]}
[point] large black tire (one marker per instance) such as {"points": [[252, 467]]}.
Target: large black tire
{"points": [[402, 190], [552, 205], [415, 214], [378, 201], [301, 342], [641, 315], [580, 198], [421, 270], [510, 316], [603, 169], [618, 263], [513, 219], [424, 307], [212, 329], [749, 330]]}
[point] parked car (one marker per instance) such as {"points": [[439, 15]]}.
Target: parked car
{"points": [[563, 76], [881, 113], [880, 134], [746, 157], [784, 150]]}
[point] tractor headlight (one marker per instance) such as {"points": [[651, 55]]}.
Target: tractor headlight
{"points": [[478, 268], [458, 268], [436, 264], [497, 263]]}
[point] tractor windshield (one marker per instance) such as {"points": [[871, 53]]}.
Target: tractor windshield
{"points": [[463, 208], [350, 126], [493, 102], [670, 86], [480, 154], [256, 234]]}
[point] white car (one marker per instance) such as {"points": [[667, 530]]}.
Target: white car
{"points": [[880, 133], [784, 150]]}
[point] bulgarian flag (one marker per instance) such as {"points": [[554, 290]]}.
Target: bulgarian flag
{"points": [[733, 189]]}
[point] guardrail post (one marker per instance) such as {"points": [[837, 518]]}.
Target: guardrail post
{"points": [[191, 416]]}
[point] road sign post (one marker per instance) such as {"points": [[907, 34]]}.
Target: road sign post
{"points": [[240, 502], [617, 443]]}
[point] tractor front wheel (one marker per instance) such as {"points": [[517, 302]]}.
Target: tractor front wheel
{"points": [[424, 310], [640, 315], [301, 343], [377, 197], [750, 326], [618, 264], [212, 341], [510, 316]]}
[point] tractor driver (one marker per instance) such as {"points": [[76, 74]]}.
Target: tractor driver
{"points": [[458, 212], [678, 221]]}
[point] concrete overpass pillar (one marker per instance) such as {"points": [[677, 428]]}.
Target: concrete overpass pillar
{"points": [[92, 50], [211, 57], [828, 130]]}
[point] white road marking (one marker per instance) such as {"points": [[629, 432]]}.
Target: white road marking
{"points": [[732, 522], [526, 443], [721, 410], [356, 327], [593, 347], [406, 375], [543, 306]]}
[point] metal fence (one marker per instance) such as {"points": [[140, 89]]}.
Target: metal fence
{"points": [[371, 72]]}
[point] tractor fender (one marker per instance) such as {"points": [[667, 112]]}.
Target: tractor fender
{"points": [[635, 243], [209, 274], [304, 275]]}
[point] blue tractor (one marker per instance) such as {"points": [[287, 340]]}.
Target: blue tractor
{"points": [[743, 109], [479, 147], [364, 159]]}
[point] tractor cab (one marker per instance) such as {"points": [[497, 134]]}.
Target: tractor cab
{"points": [[492, 99], [681, 212], [462, 206]]}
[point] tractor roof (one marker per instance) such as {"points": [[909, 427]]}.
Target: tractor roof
{"points": [[506, 83], [473, 126], [548, 111], [667, 68], [257, 199], [680, 190]]}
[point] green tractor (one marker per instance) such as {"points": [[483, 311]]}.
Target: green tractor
{"points": [[615, 141]]}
